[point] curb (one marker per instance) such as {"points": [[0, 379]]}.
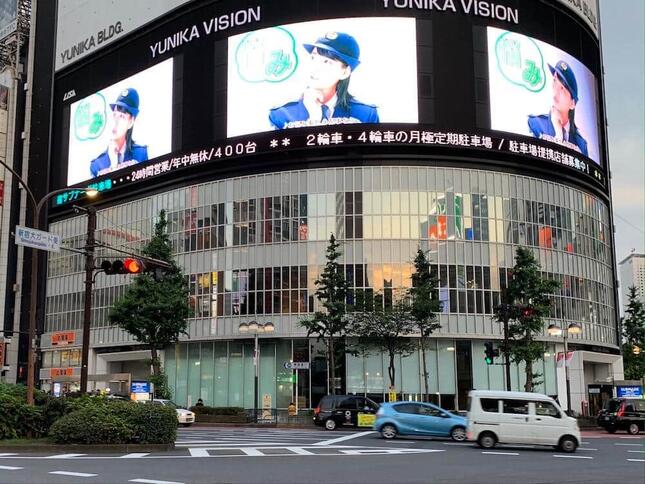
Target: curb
{"points": [[115, 448]]}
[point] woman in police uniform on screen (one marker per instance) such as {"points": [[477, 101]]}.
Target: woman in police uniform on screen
{"points": [[326, 100], [122, 151]]}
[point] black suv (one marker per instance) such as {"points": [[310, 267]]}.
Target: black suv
{"points": [[337, 410], [623, 414]]}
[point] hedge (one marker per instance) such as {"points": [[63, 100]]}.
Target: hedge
{"points": [[116, 422], [17, 419]]}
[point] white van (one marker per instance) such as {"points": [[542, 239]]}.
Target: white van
{"points": [[519, 418]]}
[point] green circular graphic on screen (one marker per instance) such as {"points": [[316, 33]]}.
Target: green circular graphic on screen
{"points": [[90, 117], [268, 55], [520, 61]]}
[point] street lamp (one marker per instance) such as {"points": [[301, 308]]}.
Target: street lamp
{"points": [[573, 328], [33, 296], [255, 328], [33, 299]]}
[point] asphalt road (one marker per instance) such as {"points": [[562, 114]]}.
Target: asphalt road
{"points": [[282, 456]]}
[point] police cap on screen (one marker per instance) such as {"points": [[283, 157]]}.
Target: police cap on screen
{"points": [[341, 45], [567, 77], [129, 100]]}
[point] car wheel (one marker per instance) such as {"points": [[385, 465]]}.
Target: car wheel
{"points": [[330, 424], [487, 440], [633, 429], [611, 430], [568, 444], [458, 434], [388, 431]]}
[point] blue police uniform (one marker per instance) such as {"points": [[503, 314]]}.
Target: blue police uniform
{"points": [[136, 153], [541, 124], [357, 112], [128, 101], [343, 47]]}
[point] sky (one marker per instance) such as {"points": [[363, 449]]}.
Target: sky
{"points": [[623, 38]]}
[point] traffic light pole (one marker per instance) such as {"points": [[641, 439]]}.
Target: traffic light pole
{"points": [[505, 312], [89, 281]]}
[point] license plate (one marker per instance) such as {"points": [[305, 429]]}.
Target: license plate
{"points": [[606, 418]]}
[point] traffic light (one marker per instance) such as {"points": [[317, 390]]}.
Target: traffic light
{"points": [[490, 353], [126, 266]]}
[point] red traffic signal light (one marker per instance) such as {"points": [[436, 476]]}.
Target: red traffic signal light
{"points": [[126, 266], [133, 266]]}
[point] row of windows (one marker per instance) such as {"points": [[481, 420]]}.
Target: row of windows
{"points": [[463, 289]]}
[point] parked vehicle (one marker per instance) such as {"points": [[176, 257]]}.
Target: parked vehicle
{"points": [[344, 410], [519, 418], [184, 417], [416, 418], [623, 414]]}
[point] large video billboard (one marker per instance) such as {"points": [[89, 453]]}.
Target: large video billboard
{"points": [[320, 73], [224, 88], [539, 90], [122, 125]]}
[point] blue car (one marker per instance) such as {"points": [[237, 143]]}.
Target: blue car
{"points": [[416, 418]]}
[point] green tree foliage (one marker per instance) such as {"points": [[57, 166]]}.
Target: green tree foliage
{"points": [[331, 290], [529, 296], [425, 306], [155, 311], [633, 332], [384, 330]]}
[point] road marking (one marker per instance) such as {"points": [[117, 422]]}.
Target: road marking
{"points": [[636, 460], [7, 454], [572, 456], [634, 437], [197, 452], [10, 468], [381, 451], [64, 456], [153, 481], [344, 438], [501, 453], [134, 455], [216, 444], [252, 451], [74, 474], [299, 451], [637, 451], [586, 448], [634, 445]]}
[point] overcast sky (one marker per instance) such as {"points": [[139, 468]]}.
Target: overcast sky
{"points": [[623, 38]]}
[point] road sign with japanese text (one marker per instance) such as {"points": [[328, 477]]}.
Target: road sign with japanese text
{"points": [[37, 239]]}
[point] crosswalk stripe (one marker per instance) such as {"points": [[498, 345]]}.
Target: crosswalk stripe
{"points": [[252, 451], [73, 474], [299, 451], [7, 454], [10, 468], [135, 455], [64, 456]]}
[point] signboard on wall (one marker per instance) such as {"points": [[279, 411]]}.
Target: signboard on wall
{"points": [[63, 338], [8, 21], [85, 26], [58, 372]]}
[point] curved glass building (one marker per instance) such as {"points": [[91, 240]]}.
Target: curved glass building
{"points": [[460, 160]]}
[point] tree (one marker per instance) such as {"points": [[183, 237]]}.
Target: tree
{"points": [[633, 332], [332, 291], [425, 306], [529, 296], [154, 310], [384, 329]]}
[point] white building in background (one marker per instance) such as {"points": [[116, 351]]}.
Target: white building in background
{"points": [[632, 273]]}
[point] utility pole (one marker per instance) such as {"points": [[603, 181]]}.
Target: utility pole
{"points": [[89, 281]]}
